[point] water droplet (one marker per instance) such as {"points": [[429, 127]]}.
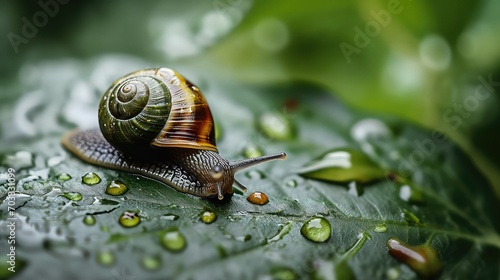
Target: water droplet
{"points": [[116, 187], [243, 238], [91, 178], [271, 34], [316, 229], [284, 230], [410, 217], [276, 126], [411, 195], [255, 174], [169, 217], [355, 189], [380, 228], [435, 52], [258, 198], [106, 258], [151, 262], [208, 217], [423, 259], [104, 201], [393, 273], [252, 151], [64, 177], [173, 240], [283, 273], [73, 196], [89, 220], [129, 219], [356, 247], [369, 128], [343, 166], [292, 183]]}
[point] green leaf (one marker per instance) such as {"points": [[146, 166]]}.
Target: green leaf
{"points": [[458, 218], [343, 166]]}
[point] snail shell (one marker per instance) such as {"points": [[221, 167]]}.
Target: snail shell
{"points": [[158, 124], [158, 108]]}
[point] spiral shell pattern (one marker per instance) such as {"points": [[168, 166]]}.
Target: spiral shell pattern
{"points": [[155, 108]]}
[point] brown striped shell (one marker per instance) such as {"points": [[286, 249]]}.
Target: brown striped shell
{"points": [[156, 108]]}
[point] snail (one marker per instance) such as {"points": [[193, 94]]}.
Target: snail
{"points": [[156, 123]]}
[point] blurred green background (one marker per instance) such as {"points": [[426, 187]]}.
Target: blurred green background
{"points": [[423, 61]]}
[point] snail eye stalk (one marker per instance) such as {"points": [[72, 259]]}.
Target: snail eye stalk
{"points": [[239, 186]]}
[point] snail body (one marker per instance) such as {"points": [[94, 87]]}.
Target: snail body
{"points": [[158, 124]]}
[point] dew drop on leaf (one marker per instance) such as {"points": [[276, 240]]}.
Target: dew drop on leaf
{"points": [[73, 196], [129, 219], [208, 217], [423, 259], [292, 183], [410, 217], [106, 258], [91, 178], [252, 151], [356, 247], [258, 198], [116, 187], [283, 273], [275, 125], [89, 220], [369, 128], [64, 177], [316, 229], [283, 230], [243, 238], [170, 217], [380, 228], [173, 240], [393, 273], [104, 201], [151, 262], [343, 166]]}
